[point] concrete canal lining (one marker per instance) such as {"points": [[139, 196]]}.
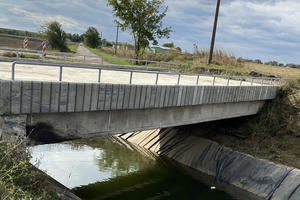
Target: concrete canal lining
{"points": [[261, 178]]}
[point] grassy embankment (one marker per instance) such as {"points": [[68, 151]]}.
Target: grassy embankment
{"points": [[73, 47], [223, 63], [19, 180], [111, 60]]}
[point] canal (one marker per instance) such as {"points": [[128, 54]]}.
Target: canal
{"points": [[103, 168]]}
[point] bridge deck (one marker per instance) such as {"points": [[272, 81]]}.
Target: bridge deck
{"points": [[81, 75]]}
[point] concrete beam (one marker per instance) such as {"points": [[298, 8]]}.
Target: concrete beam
{"points": [[99, 123]]}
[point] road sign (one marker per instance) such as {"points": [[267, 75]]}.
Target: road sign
{"points": [[44, 45], [25, 43]]}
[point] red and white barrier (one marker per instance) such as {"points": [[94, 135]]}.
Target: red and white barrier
{"points": [[25, 43], [44, 49]]}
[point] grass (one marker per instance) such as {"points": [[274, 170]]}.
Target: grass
{"points": [[22, 55], [73, 47], [110, 60], [18, 178], [223, 63]]}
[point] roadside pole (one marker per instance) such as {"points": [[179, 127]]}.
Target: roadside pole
{"points": [[116, 45], [214, 32]]}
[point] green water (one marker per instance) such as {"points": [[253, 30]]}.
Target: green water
{"points": [[101, 168]]}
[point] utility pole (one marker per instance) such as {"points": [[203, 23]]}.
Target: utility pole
{"points": [[116, 45], [214, 33]]}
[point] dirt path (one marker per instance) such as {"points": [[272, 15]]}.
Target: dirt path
{"points": [[81, 50]]}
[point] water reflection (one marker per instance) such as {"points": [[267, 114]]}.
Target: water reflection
{"points": [[101, 168], [87, 161]]}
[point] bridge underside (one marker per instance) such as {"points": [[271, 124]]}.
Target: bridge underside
{"points": [[68, 126]]}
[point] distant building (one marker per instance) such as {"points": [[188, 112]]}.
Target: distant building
{"points": [[159, 49]]}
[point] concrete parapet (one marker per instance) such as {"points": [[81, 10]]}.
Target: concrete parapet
{"points": [[25, 97]]}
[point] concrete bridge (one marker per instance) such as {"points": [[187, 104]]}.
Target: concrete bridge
{"points": [[77, 110]]}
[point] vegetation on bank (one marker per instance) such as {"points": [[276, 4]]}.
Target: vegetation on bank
{"points": [[19, 180]]}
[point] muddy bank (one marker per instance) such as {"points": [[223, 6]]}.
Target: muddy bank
{"points": [[261, 178]]}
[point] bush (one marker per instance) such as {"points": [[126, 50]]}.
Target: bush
{"points": [[91, 37], [56, 36], [18, 178]]}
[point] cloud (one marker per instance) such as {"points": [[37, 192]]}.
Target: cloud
{"points": [[265, 29]]}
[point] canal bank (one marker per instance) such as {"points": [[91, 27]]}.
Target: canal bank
{"points": [[259, 178]]}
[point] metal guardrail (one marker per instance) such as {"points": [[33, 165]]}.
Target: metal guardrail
{"points": [[252, 80], [131, 61]]}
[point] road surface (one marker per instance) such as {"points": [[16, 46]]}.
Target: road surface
{"points": [[44, 73]]}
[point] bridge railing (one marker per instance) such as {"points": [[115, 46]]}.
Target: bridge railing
{"points": [[70, 57], [225, 79]]}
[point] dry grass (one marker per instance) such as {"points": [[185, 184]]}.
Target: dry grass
{"points": [[284, 72], [120, 53], [223, 63]]}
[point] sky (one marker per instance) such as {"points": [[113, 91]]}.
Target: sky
{"points": [[252, 29]]}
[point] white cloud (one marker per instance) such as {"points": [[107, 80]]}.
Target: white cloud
{"points": [[41, 18]]}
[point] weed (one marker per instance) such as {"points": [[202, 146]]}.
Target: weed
{"points": [[18, 178]]}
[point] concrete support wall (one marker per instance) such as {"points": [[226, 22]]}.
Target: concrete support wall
{"points": [[23, 97], [99, 123]]}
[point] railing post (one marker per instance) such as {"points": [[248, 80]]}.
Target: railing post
{"points": [[64, 58], [241, 81], [13, 71], [18, 56], [271, 81], [214, 80], [178, 80], [262, 81], [99, 75], [60, 73], [130, 79], [159, 64], [169, 67], [197, 83], [156, 81], [251, 81], [102, 61], [228, 79], [146, 62], [84, 59], [119, 60]]}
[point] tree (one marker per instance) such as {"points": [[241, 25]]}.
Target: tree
{"points": [[91, 37], [143, 19], [169, 45], [55, 35]]}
